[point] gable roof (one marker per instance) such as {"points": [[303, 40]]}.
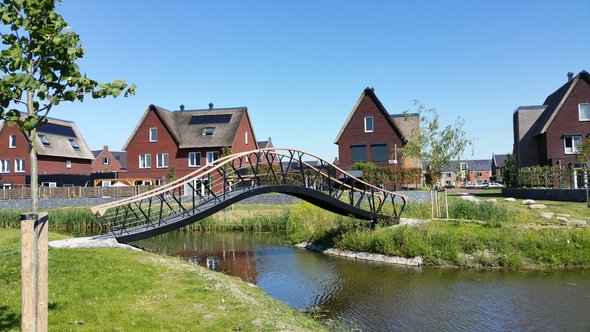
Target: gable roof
{"points": [[472, 165], [60, 134], [499, 159], [368, 92], [555, 101], [120, 156], [186, 127]]}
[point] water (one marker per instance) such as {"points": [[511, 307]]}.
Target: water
{"points": [[380, 297]]}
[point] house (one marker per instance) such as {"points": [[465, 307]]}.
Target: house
{"points": [[109, 161], [371, 134], [464, 172], [61, 149], [550, 134], [265, 144], [167, 144], [497, 164]]}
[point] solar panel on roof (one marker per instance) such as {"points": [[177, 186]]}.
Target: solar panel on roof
{"points": [[55, 129], [210, 118]]}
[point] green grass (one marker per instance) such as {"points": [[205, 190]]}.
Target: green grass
{"points": [[121, 290]]}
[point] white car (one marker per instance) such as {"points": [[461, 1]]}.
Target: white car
{"points": [[492, 185]]}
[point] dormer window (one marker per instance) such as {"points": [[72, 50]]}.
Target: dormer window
{"points": [[153, 134], [74, 144], [368, 124], [106, 160], [44, 140], [584, 111], [12, 141], [208, 131]]}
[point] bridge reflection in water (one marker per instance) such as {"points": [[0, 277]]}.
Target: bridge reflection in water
{"points": [[236, 177]]}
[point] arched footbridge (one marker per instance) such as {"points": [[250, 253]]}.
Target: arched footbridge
{"points": [[233, 178]]}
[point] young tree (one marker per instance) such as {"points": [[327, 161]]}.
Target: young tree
{"points": [[433, 145], [509, 171], [38, 63]]}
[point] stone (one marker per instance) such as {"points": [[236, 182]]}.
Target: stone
{"points": [[563, 215], [510, 199], [562, 220], [470, 199], [537, 206], [492, 200], [547, 215], [577, 223], [528, 202]]}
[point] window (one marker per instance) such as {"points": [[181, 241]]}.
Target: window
{"points": [[74, 144], [448, 175], [359, 153], [584, 110], [12, 141], [379, 152], [212, 156], [194, 159], [145, 161], [572, 143], [246, 138], [44, 140], [162, 160], [68, 164], [153, 134], [463, 166], [106, 160], [479, 174], [5, 166], [208, 131], [368, 124], [19, 165]]}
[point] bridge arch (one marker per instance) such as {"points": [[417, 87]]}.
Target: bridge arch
{"points": [[238, 176]]}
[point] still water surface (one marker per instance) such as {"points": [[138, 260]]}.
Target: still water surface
{"points": [[379, 297]]}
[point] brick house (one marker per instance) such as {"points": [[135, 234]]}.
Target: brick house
{"points": [[61, 149], [497, 164], [109, 161], [371, 134], [461, 173], [550, 134], [180, 142]]}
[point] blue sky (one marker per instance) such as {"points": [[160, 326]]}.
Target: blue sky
{"points": [[300, 66]]}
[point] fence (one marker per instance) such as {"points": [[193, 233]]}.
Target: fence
{"points": [[24, 192], [553, 177]]}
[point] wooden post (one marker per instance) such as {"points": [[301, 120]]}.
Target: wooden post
{"points": [[34, 267]]}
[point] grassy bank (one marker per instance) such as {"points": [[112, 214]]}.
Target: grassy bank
{"points": [[121, 290], [478, 235]]}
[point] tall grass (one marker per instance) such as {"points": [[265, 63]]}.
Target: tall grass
{"points": [[71, 219]]}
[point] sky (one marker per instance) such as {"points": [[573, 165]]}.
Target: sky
{"points": [[300, 66]]}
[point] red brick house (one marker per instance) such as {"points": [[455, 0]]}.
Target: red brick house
{"points": [[109, 161], [180, 142], [550, 134], [371, 134], [61, 149]]}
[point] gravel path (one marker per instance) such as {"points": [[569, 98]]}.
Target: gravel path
{"points": [[90, 242]]}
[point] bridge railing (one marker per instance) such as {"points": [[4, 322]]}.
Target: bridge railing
{"points": [[240, 172]]}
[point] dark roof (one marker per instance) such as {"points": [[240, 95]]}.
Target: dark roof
{"points": [[186, 127], [499, 159], [472, 165], [262, 144], [554, 101], [120, 156], [368, 92]]}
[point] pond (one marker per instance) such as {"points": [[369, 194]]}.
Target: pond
{"points": [[380, 297]]}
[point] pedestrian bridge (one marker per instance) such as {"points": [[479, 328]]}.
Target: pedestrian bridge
{"points": [[233, 178]]}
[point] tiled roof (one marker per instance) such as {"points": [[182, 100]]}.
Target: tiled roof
{"points": [[472, 165], [499, 159]]}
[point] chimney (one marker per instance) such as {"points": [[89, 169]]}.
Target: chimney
{"points": [[181, 107], [570, 76], [210, 106], [105, 148]]}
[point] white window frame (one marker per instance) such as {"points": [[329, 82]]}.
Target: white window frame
{"points": [[12, 141], [19, 166], [145, 161], [367, 130], [211, 156], [246, 137], [575, 147], [106, 160], [208, 131], [153, 134], [5, 166], [580, 111], [162, 160], [68, 163], [197, 159]]}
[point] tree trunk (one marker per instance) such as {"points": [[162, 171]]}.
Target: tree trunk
{"points": [[33, 158]]}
